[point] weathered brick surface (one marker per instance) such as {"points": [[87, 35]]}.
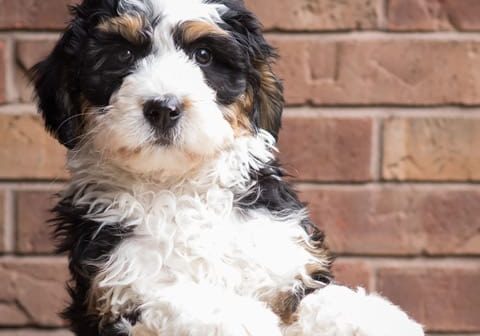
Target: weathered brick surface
{"points": [[445, 149], [426, 15], [375, 70], [2, 72], [32, 291], [398, 220], [308, 15], [27, 151], [2, 221], [34, 14], [341, 148], [390, 235], [444, 297], [34, 332], [34, 234], [353, 273], [27, 54]]}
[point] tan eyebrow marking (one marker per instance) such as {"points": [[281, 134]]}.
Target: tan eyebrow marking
{"points": [[193, 30], [129, 26]]}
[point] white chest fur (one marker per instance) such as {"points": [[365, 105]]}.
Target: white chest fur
{"points": [[203, 239], [191, 232]]}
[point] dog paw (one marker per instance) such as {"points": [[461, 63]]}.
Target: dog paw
{"points": [[213, 312], [141, 330], [340, 311], [248, 319]]}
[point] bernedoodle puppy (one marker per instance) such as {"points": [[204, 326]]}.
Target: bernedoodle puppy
{"points": [[177, 219]]}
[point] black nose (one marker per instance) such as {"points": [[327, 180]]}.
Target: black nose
{"points": [[163, 113]]}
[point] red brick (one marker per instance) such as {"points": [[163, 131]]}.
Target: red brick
{"points": [[327, 149], [32, 291], [34, 14], [398, 220], [443, 298], [379, 70], [27, 151], [2, 72], [353, 273], [27, 54], [307, 15], [439, 149], [33, 230], [2, 221], [429, 15], [34, 332]]}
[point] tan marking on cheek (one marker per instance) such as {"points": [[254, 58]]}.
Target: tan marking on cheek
{"points": [[193, 30], [129, 26], [128, 153], [187, 104], [238, 115]]}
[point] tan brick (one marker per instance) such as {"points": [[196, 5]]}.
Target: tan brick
{"points": [[439, 149], [28, 53], [307, 15], [34, 233], [3, 78], [443, 298], [327, 149], [351, 273], [32, 291], [2, 221], [429, 15], [397, 220], [34, 14], [34, 332], [378, 70], [27, 151]]}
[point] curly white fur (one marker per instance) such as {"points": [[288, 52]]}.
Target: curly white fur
{"points": [[339, 311], [196, 265]]}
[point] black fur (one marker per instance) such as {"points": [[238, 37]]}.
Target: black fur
{"points": [[83, 67], [86, 246], [227, 73], [247, 31]]}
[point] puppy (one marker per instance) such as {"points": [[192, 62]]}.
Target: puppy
{"points": [[177, 219]]}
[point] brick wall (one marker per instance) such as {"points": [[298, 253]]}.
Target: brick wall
{"points": [[382, 132]]}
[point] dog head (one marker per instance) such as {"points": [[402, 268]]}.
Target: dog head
{"points": [[159, 84]]}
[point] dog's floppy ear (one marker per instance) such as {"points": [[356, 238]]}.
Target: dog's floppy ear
{"points": [[52, 79], [266, 88], [269, 104]]}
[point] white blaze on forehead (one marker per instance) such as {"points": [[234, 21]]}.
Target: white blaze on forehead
{"points": [[173, 12]]}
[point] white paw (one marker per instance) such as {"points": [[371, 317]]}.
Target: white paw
{"points": [[206, 311], [340, 311], [253, 319]]}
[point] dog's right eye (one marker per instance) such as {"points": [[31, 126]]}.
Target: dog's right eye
{"points": [[203, 56], [125, 56]]}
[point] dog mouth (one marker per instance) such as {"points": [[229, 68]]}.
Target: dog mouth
{"points": [[162, 139]]}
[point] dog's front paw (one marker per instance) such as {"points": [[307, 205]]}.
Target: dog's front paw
{"points": [[194, 310], [247, 318], [340, 311]]}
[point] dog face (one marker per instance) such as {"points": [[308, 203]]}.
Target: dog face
{"points": [[159, 84]]}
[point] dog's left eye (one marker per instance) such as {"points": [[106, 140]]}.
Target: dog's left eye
{"points": [[203, 56], [125, 56]]}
